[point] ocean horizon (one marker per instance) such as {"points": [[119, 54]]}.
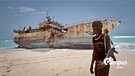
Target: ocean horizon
{"points": [[121, 43]]}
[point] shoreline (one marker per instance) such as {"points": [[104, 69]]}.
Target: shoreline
{"points": [[55, 49], [70, 62]]}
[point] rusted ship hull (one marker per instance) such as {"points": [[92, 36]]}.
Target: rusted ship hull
{"points": [[80, 42], [51, 36]]}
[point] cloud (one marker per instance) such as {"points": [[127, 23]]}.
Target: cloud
{"points": [[10, 7], [123, 2], [26, 9], [40, 12]]}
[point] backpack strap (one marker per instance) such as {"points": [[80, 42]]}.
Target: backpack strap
{"points": [[105, 44], [107, 53]]}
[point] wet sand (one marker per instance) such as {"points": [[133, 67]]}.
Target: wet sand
{"points": [[42, 62]]}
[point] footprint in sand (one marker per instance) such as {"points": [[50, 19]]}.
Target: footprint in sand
{"points": [[52, 69], [66, 58], [66, 70], [80, 68], [57, 74], [8, 70]]}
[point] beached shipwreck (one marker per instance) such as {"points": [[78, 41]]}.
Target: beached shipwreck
{"points": [[51, 34]]}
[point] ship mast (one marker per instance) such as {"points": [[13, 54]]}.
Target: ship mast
{"points": [[48, 18]]}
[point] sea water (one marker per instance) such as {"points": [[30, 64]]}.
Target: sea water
{"points": [[121, 43], [8, 45], [124, 43]]}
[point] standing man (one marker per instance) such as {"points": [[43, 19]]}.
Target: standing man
{"points": [[101, 50]]}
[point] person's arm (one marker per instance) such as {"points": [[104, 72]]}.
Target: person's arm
{"points": [[92, 62], [91, 66], [108, 46]]}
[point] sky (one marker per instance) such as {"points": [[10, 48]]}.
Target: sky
{"points": [[18, 14]]}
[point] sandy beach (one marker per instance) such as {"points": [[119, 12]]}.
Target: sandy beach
{"points": [[44, 62]]}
